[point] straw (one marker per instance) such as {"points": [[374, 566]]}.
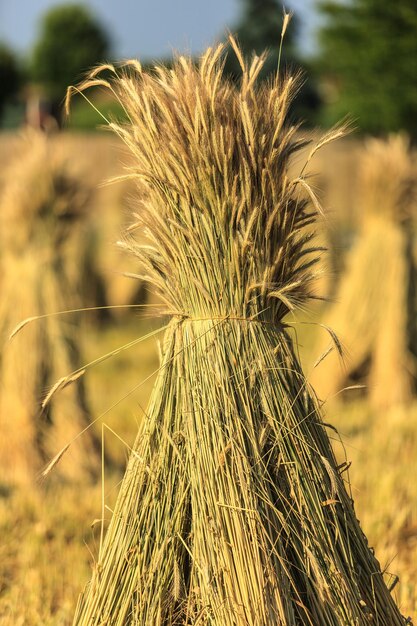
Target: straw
{"points": [[232, 510], [41, 207], [374, 307]]}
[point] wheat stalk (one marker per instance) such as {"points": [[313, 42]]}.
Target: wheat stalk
{"points": [[232, 511]]}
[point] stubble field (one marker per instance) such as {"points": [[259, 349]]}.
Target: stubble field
{"points": [[50, 530]]}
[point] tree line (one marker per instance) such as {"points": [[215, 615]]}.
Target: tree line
{"points": [[364, 66]]}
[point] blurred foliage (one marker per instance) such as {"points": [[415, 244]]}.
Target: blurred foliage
{"points": [[84, 117], [70, 41], [368, 59], [9, 76], [259, 29]]}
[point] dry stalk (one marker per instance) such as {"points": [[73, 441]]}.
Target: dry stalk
{"points": [[232, 511]]}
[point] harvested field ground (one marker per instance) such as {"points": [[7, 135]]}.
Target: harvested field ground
{"points": [[50, 535]]}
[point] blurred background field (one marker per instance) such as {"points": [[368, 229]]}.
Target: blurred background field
{"points": [[50, 528], [50, 531]]}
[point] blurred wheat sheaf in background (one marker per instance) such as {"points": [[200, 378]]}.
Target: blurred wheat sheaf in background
{"points": [[368, 189]]}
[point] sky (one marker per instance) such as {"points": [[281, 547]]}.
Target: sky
{"points": [[148, 29]]}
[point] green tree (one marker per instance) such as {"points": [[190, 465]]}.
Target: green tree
{"points": [[369, 63], [9, 75], [70, 42]]}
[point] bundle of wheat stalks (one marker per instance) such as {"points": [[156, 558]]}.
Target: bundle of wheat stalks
{"points": [[232, 510], [374, 311], [41, 204]]}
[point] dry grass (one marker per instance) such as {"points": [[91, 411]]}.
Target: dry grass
{"points": [[46, 546], [233, 509], [382, 450], [50, 534], [46, 539]]}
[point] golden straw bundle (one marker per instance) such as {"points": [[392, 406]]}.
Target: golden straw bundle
{"points": [[40, 209], [232, 510], [374, 311]]}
